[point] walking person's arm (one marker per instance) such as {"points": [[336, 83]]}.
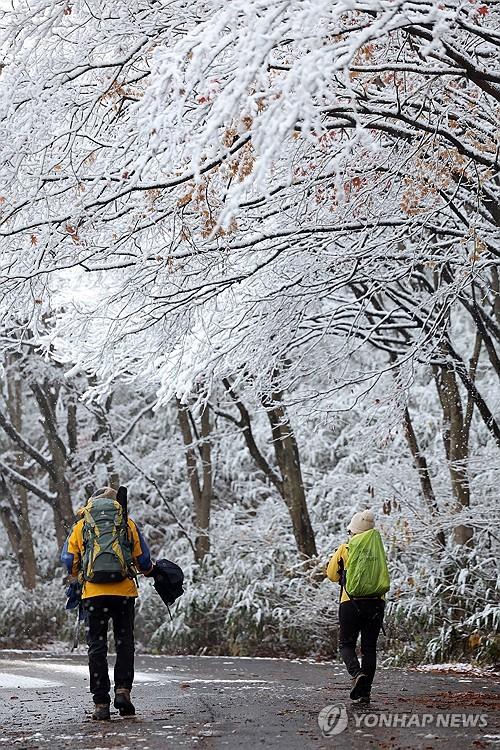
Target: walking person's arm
{"points": [[337, 564], [140, 551], [71, 553]]}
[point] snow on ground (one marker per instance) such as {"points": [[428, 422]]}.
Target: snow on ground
{"points": [[13, 679], [61, 648], [228, 681], [22, 682], [459, 668]]}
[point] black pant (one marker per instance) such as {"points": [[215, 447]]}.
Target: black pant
{"points": [[98, 611], [365, 616]]}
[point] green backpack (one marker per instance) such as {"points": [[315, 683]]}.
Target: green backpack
{"points": [[107, 556], [366, 574]]}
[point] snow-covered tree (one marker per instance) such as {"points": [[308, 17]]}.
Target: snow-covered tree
{"points": [[279, 216]]}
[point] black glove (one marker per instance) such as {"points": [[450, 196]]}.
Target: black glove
{"points": [[74, 594]]}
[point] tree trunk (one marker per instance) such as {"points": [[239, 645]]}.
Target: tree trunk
{"points": [[104, 454], [456, 444], [27, 559], [288, 460], [63, 507], [72, 424], [203, 510], [495, 285], [469, 410], [201, 491], [288, 481], [10, 517], [423, 471]]}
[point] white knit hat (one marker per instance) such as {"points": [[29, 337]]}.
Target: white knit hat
{"points": [[362, 521]]}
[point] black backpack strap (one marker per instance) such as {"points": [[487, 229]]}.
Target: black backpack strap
{"points": [[342, 580], [342, 574]]}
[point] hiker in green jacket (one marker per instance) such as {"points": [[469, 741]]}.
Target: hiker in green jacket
{"points": [[360, 568]]}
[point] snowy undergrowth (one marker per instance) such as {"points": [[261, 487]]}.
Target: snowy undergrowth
{"points": [[253, 596], [28, 618]]}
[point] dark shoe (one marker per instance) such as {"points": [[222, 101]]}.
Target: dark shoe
{"points": [[123, 702], [101, 712], [364, 700], [360, 686]]}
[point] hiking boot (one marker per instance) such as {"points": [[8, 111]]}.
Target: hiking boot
{"points": [[101, 712], [359, 687], [123, 702]]}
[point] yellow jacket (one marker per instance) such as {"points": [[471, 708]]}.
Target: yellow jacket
{"points": [[334, 568], [72, 554]]}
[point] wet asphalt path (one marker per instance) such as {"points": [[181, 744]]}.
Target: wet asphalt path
{"points": [[224, 702]]}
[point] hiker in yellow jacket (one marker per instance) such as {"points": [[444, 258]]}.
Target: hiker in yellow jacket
{"points": [[357, 615], [113, 599]]}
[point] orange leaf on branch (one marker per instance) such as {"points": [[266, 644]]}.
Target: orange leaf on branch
{"points": [[73, 233], [185, 199]]}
